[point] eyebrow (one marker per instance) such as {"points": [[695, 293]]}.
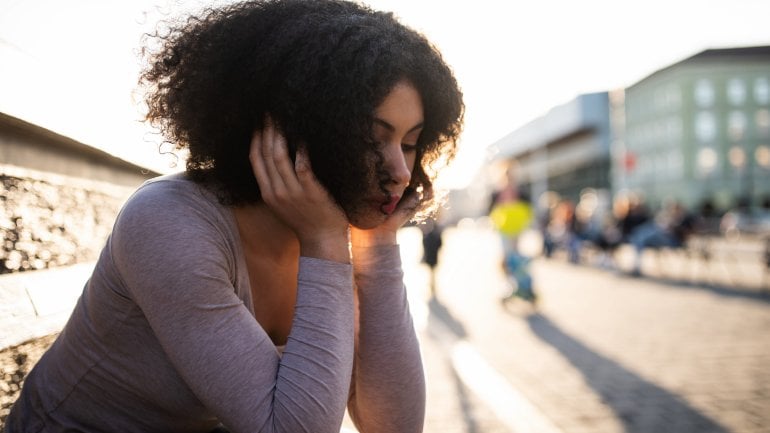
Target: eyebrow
{"points": [[391, 128]]}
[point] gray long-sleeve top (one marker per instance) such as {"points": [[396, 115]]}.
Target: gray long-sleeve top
{"points": [[164, 338]]}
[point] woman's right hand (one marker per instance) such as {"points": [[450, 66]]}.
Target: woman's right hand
{"points": [[294, 194]]}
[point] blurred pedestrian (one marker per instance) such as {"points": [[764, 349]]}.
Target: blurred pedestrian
{"points": [[431, 246], [561, 228], [511, 214], [670, 229], [631, 212]]}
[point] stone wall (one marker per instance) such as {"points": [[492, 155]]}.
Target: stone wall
{"points": [[58, 197], [47, 223]]}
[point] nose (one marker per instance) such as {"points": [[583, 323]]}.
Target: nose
{"points": [[398, 165]]}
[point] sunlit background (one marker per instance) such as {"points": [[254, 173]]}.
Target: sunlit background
{"points": [[72, 66]]}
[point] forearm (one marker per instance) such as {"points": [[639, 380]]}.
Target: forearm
{"points": [[317, 360], [255, 390], [388, 389]]}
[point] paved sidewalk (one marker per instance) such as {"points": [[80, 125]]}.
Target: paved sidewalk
{"points": [[38, 303], [608, 353]]}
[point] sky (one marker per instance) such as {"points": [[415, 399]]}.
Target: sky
{"points": [[72, 66]]}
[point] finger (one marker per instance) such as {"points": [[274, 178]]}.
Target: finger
{"points": [[409, 203], [306, 177], [284, 166], [305, 174], [258, 163], [267, 151], [267, 138], [414, 199], [302, 166]]}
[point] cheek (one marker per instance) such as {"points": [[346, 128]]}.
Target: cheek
{"points": [[411, 162], [414, 167]]}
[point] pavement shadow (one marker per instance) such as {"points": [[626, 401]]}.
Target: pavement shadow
{"points": [[440, 316], [439, 312], [466, 406], [762, 295], [641, 406]]}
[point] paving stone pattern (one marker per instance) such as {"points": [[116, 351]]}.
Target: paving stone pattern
{"points": [[608, 353]]}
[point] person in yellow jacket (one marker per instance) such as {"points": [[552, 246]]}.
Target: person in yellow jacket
{"points": [[511, 214]]}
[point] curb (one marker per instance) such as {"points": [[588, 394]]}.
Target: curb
{"points": [[38, 303]]}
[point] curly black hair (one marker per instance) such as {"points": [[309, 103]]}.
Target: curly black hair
{"points": [[318, 68]]}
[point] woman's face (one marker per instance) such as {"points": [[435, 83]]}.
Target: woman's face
{"points": [[398, 122]]}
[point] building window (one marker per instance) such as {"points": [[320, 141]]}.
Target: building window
{"points": [[645, 167], [737, 157], [668, 98], [674, 96], [762, 91], [675, 163], [674, 129], [661, 167], [762, 156], [736, 91], [705, 126], [659, 100], [736, 125], [707, 161], [659, 131], [704, 93], [762, 120]]}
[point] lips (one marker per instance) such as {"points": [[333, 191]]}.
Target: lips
{"points": [[390, 206]]}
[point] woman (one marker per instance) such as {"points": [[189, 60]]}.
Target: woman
{"points": [[261, 289]]}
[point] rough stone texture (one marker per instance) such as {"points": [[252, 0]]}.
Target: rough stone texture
{"points": [[47, 225], [15, 363]]}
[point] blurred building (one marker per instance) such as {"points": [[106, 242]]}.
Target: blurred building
{"points": [[565, 151], [699, 130], [696, 131]]}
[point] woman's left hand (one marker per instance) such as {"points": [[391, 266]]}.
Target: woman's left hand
{"points": [[385, 233]]}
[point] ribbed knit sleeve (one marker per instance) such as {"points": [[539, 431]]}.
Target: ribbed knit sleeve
{"points": [[388, 390]]}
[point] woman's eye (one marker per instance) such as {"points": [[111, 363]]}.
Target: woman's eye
{"points": [[408, 147]]}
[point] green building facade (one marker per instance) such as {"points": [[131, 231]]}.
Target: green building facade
{"points": [[698, 131]]}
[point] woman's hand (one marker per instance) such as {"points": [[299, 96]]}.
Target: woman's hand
{"points": [[385, 233], [293, 193]]}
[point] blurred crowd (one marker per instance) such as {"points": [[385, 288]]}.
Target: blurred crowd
{"points": [[594, 228], [602, 224]]}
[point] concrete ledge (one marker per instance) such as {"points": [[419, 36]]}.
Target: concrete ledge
{"points": [[38, 303]]}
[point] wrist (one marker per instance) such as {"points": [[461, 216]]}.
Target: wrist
{"points": [[333, 247], [371, 238]]}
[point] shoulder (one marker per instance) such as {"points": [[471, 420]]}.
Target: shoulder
{"points": [[172, 205], [169, 221], [172, 187], [171, 195]]}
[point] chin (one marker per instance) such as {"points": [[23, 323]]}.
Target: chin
{"points": [[367, 220], [365, 226]]}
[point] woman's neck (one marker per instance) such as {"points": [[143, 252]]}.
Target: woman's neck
{"points": [[264, 234]]}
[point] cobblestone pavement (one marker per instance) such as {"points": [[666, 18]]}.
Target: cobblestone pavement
{"points": [[605, 352], [601, 353]]}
